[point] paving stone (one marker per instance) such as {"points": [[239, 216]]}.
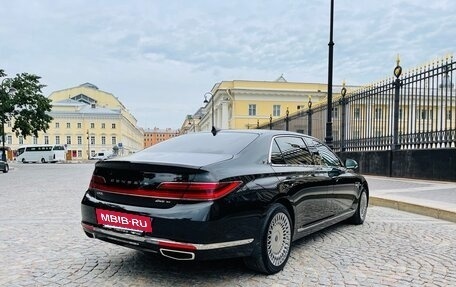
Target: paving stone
{"points": [[42, 244]]}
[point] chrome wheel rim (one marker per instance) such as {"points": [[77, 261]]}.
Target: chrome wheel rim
{"points": [[363, 206], [278, 239]]}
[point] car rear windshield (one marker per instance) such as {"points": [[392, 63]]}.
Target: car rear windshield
{"points": [[222, 143]]}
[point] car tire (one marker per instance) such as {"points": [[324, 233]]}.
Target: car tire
{"points": [[43, 161], [275, 245], [23, 160], [361, 211], [6, 169]]}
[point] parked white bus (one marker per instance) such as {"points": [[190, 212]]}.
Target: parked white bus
{"points": [[40, 153]]}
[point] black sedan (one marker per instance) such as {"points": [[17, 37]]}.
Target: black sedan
{"points": [[4, 166], [236, 194]]}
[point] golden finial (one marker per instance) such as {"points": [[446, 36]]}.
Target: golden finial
{"points": [[398, 60]]}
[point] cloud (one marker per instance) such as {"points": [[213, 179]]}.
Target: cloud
{"points": [[159, 57]]}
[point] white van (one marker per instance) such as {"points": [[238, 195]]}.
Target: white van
{"points": [[101, 155]]}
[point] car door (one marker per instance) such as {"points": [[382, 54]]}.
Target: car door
{"points": [[344, 190], [306, 185]]}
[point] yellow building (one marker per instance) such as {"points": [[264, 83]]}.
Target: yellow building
{"points": [[248, 104], [86, 119]]}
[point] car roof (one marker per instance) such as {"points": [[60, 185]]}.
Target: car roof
{"points": [[257, 131]]}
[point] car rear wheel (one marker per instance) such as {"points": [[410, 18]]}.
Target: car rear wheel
{"points": [[43, 160], [275, 243], [361, 211]]}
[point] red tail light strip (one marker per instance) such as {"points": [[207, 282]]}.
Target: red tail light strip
{"points": [[172, 190]]}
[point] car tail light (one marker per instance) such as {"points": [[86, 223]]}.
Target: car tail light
{"points": [[198, 190], [171, 190]]}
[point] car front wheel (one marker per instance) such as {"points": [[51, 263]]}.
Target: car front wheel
{"points": [[275, 243], [6, 169]]}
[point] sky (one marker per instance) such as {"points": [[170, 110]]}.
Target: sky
{"points": [[160, 57]]}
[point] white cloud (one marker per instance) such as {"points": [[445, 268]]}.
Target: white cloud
{"points": [[160, 57]]}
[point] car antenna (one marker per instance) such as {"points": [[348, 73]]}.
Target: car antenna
{"points": [[214, 131]]}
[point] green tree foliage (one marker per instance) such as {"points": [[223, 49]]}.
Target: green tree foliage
{"points": [[27, 108]]}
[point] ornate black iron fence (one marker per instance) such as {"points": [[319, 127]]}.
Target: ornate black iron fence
{"points": [[416, 110]]}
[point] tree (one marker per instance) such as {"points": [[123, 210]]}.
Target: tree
{"points": [[23, 104]]}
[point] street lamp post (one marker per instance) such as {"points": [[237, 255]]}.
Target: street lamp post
{"points": [[309, 117], [5, 93], [213, 130], [329, 137], [88, 145], [287, 119]]}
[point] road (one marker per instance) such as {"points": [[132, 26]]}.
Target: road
{"points": [[42, 244]]}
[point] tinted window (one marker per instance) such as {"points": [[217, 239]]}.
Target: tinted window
{"points": [[293, 150], [276, 154], [222, 143], [322, 153]]}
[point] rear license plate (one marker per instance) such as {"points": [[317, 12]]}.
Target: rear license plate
{"points": [[124, 220]]}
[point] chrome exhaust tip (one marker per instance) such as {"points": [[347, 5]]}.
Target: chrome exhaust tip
{"points": [[177, 254]]}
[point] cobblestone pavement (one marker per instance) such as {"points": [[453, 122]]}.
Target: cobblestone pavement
{"points": [[42, 244]]}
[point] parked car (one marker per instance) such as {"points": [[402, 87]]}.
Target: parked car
{"points": [[236, 194], [101, 156], [4, 166]]}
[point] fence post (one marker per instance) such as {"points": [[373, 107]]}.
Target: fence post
{"points": [[270, 122], [343, 102], [397, 87]]}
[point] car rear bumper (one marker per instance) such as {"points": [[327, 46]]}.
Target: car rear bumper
{"points": [[172, 249], [180, 237]]}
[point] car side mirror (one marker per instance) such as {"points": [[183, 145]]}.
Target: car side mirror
{"points": [[351, 164]]}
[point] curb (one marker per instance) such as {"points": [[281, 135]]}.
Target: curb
{"points": [[414, 208]]}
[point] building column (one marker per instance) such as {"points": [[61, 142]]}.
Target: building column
{"points": [[224, 118]]}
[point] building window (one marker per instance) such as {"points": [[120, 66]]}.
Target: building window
{"points": [[79, 140], [9, 140], [426, 114], [357, 114], [21, 140], [355, 134], [57, 125], [68, 140], [276, 110], [103, 125], [448, 115], [113, 126], [57, 139], [103, 140], [46, 139], [68, 125], [92, 139], [335, 113], [79, 125], [92, 125], [9, 124], [79, 153], [35, 140], [252, 110], [114, 140], [378, 113]]}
